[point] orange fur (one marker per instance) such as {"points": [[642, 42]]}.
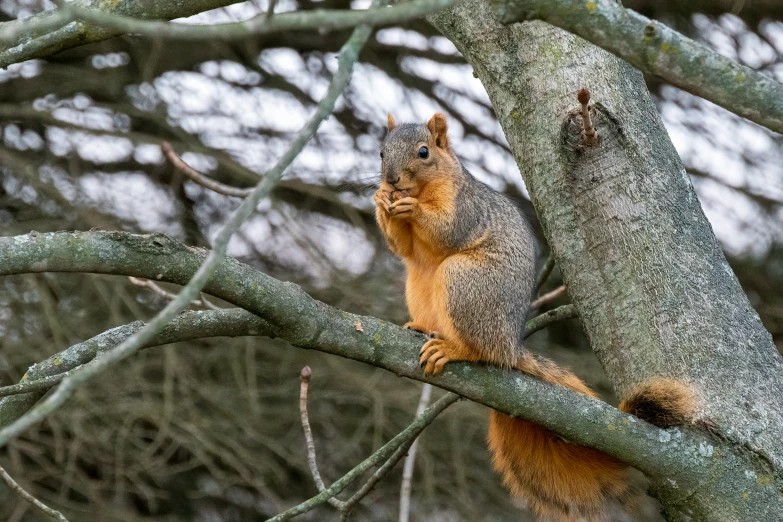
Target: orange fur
{"points": [[560, 481], [661, 401], [553, 476]]}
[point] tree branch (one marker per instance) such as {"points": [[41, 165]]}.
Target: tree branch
{"points": [[656, 49], [547, 297], [410, 460], [199, 178], [40, 506], [318, 19], [385, 453], [42, 35], [540, 322], [700, 462], [53, 31], [312, 461]]}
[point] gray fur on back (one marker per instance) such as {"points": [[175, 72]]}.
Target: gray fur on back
{"points": [[489, 296]]}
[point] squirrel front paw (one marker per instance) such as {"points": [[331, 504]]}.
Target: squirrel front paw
{"points": [[404, 208], [383, 199]]}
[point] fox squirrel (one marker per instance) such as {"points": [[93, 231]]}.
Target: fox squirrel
{"points": [[470, 257]]}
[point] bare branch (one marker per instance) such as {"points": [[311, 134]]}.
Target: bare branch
{"points": [[25, 387], [43, 508], [319, 19], [304, 378], [407, 468], [380, 473], [545, 271], [547, 297], [270, 9], [383, 454], [656, 49], [42, 35], [55, 30], [151, 285], [540, 322], [198, 177]]}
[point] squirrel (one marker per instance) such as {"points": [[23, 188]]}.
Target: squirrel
{"points": [[470, 257]]}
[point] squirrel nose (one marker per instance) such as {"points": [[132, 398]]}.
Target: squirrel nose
{"points": [[391, 179]]}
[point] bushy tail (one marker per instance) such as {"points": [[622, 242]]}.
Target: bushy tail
{"points": [[661, 401], [565, 482]]}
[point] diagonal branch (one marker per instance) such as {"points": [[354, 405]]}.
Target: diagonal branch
{"points": [[385, 453], [406, 445], [52, 31], [40, 506], [42, 35], [698, 460], [656, 49]]}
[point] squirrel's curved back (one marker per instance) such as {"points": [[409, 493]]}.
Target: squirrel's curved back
{"points": [[471, 256]]}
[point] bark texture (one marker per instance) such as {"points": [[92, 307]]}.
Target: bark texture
{"points": [[639, 258], [657, 49]]}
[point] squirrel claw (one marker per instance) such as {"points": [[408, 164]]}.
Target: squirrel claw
{"points": [[433, 357], [383, 199], [404, 208], [420, 329]]}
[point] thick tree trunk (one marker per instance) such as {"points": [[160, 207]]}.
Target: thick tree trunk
{"points": [[654, 291]]}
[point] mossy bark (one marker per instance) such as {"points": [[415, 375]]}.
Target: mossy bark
{"points": [[639, 258]]}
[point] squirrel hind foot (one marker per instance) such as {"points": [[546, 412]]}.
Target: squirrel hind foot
{"points": [[421, 329], [433, 356], [662, 401]]}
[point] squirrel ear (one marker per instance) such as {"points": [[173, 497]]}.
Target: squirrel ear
{"points": [[439, 130], [390, 122]]}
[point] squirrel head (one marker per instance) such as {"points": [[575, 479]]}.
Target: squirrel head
{"points": [[414, 154]]}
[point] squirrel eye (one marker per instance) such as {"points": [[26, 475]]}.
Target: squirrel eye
{"points": [[381, 154], [424, 153]]}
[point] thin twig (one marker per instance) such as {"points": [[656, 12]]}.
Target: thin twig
{"points": [[540, 322], [407, 468], [304, 378], [382, 454], [146, 283], [346, 60], [43, 508], [198, 177], [590, 134], [270, 10], [376, 477], [547, 297], [545, 271]]}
